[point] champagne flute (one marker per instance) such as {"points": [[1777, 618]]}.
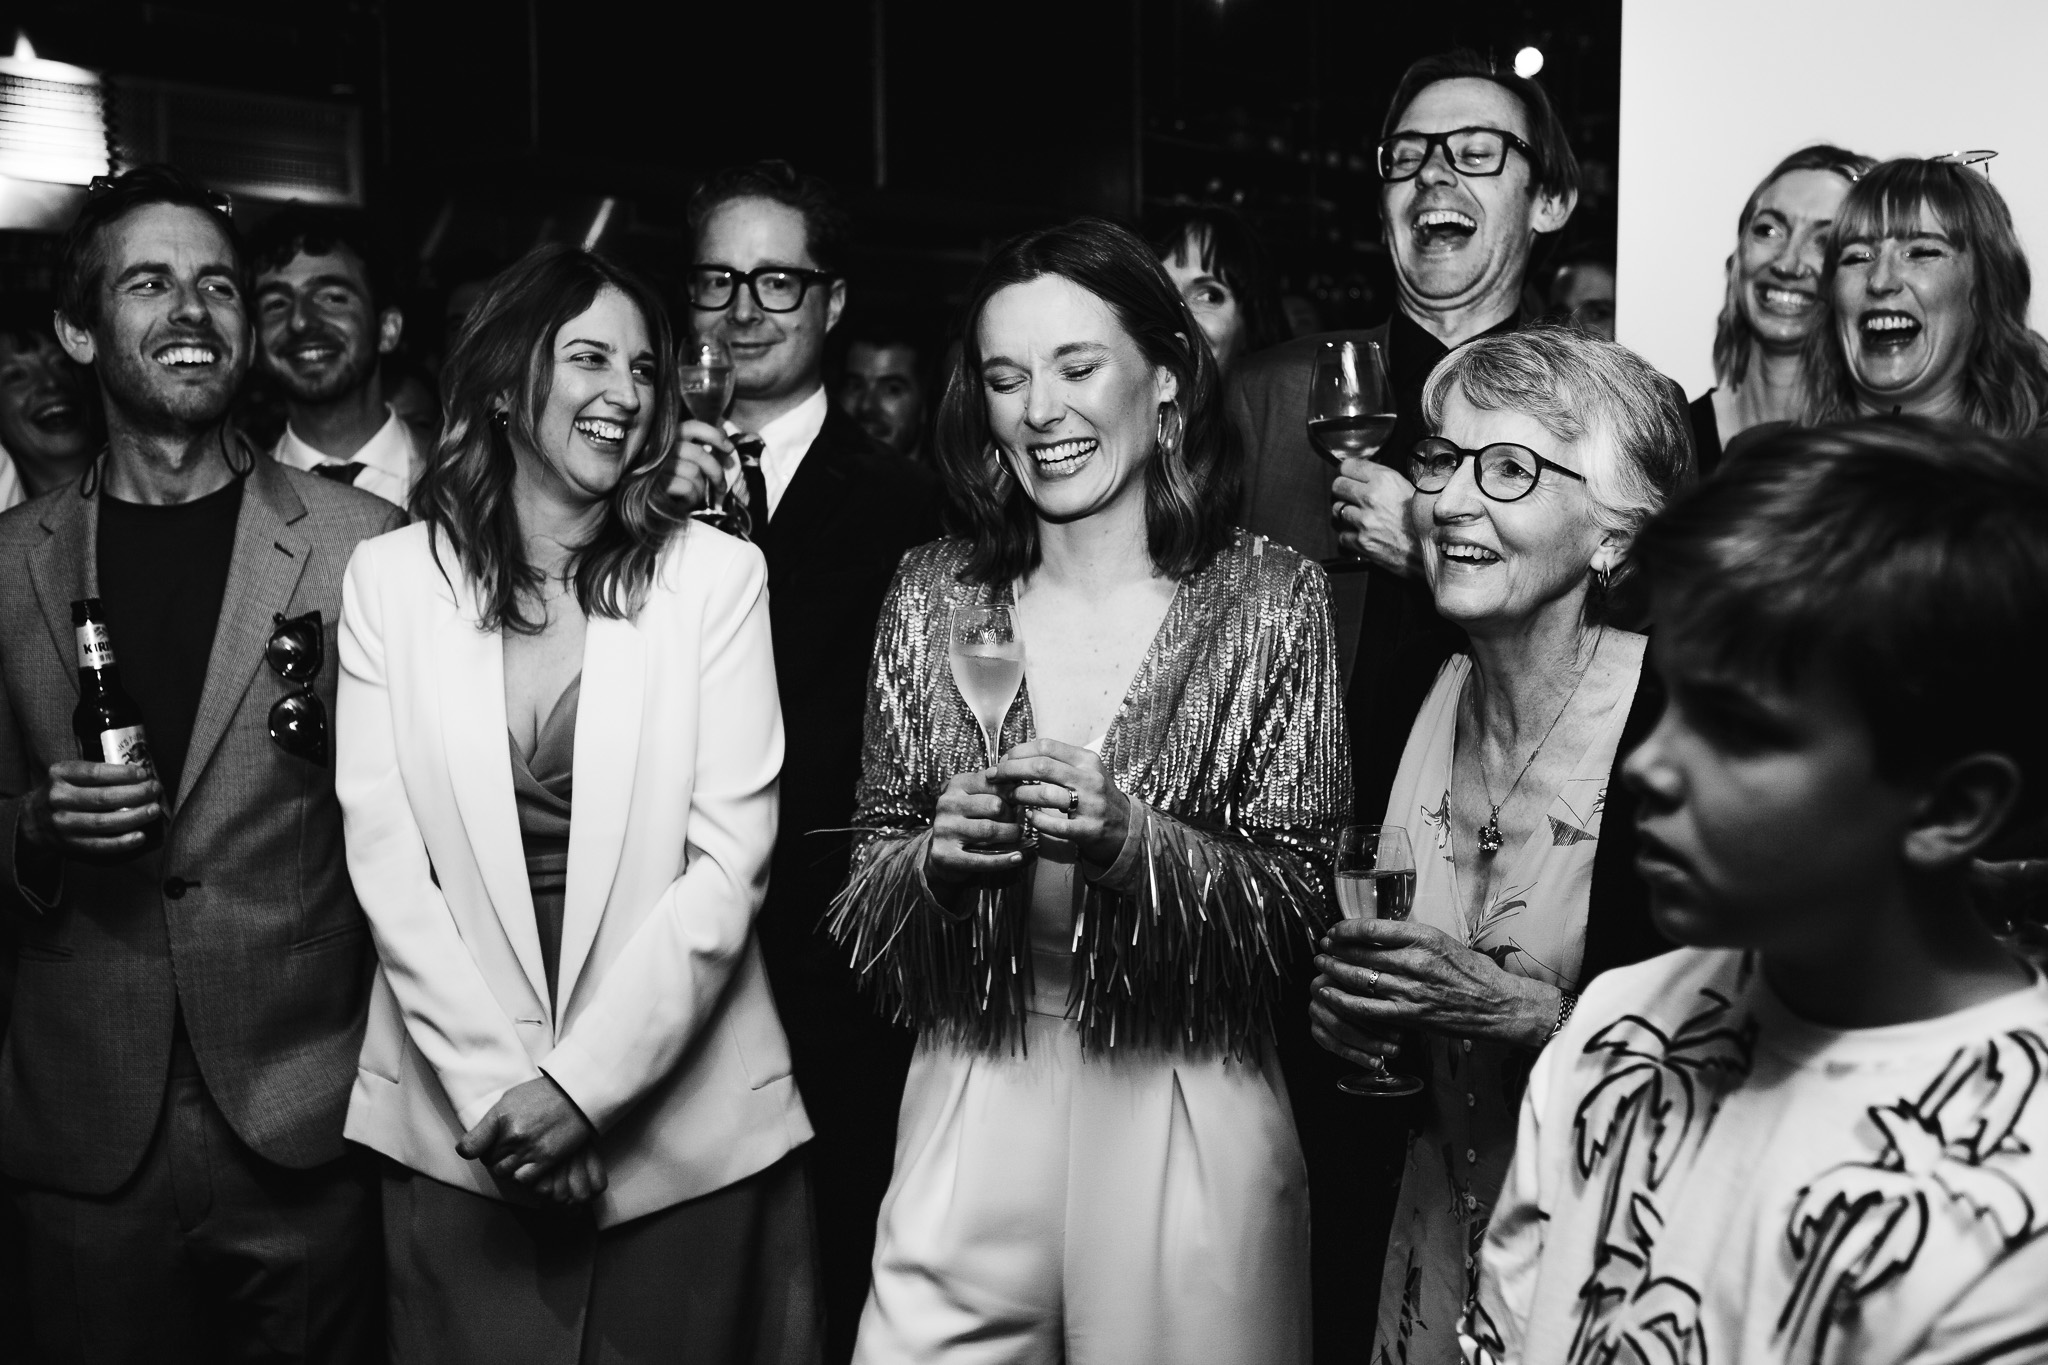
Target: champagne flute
{"points": [[1375, 873], [707, 381], [1350, 401], [988, 667]]}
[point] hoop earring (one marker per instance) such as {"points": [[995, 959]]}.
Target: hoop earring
{"points": [[1172, 429], [1001, 476]]}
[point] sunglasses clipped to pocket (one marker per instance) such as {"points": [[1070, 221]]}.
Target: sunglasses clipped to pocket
{"points": [[298, 719]]}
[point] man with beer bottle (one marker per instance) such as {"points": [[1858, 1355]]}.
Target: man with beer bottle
{"points": [[194, 967]]}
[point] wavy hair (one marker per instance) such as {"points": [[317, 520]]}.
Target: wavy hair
{"points": [[2005, 376], [1191, 485], [506, 348], [1735, 340]]}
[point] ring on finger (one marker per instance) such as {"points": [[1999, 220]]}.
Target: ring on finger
{"points": [[1073, 802], [1372, 979]]}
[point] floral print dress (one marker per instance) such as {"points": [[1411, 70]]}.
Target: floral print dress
{"points": [[1535, 926]]}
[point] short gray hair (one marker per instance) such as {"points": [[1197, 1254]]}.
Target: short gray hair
{"points": [[1575, 386]]}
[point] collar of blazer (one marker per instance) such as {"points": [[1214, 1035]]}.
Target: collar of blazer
{"points": [[469, 676], [269, 556]]}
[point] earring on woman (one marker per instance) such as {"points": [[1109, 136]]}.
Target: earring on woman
{"points": [[1172, 427]]}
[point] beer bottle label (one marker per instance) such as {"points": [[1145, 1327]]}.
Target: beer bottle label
{"points": [[124, 745], [94, 649]]}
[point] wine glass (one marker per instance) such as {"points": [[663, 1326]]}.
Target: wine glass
{"points": [[988, 667], [1375, 873], [1350, 402], [707, 380]]}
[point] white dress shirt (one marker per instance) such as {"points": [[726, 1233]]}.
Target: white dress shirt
{"points": [[12, 490], [391, 459], [787, 440]]}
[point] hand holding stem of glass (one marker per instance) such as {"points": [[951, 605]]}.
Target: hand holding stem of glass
{"points": [[1375, 875], [988, 665], [1351, 402], [707, 382]]}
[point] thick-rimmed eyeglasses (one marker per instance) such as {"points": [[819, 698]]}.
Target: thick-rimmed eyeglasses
{"points": [[1468, 151], [1504, 471], [776, 289], [100, 184], [298, 719]]}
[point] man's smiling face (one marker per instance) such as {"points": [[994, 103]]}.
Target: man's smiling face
{"points": [[171, 341], [318, 332]]}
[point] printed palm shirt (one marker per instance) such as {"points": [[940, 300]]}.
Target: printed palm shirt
{"points": [[1703, 1178]]}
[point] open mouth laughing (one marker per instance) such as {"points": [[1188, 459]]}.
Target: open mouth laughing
{"points": [[187, 356], [1443, 227], [1887, 329], [1786, 303], [602, 433], [1060, 459], [1465, 554], [56, 414]]}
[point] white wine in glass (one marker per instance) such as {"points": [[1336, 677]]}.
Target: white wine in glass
{"points": [[988, 668], [1351, 402], [1375, 874], [707, 380]]}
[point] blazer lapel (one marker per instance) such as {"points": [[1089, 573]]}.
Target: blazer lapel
{"points": [[471, 681], [62, 569], [607, 754], [812, 499], [269, 557]]}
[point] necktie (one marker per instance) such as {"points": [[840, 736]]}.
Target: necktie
{"points": [[340, 473], [750, 448]]}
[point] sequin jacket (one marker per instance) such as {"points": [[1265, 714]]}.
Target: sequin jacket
{"points": [[1232, 749]]}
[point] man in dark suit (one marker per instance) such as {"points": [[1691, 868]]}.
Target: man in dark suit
{"points": [[833, 510], [1461, 210], [187, 1018]]}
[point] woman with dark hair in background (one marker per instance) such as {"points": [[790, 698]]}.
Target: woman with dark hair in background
{"points": [[1774, 300], [558, 743], [1215, 260], [1095, 1160], [1930, 291]]}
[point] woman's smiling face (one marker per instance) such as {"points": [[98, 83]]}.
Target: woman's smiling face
{"points": [[600, 397], [1073, 404], [1902, 312], [1779, 259]]}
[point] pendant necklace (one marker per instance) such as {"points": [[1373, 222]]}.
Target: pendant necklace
{"points": [[1489, 833]]}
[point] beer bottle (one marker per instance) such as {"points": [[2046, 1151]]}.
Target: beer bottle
{"points": [[107, 722]]}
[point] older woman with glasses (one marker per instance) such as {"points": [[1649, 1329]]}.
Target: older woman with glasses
{"points": [[1551, 450]]}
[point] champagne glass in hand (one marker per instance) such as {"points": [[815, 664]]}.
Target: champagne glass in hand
{"points": [[1375, 880], [1350, 402], [707, 380], [988, 666]]}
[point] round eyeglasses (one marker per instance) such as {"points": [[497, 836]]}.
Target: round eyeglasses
{"points": [[1504, 471], [776, 289], [1468, 151]]}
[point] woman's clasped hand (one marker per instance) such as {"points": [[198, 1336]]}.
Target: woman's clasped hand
{"points": [[1375, 977], [1050, 788], [537, 1138]]}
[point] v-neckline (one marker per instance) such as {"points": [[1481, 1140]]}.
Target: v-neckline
{"points": [[1147, 663]]}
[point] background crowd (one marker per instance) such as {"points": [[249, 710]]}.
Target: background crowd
{"points": [[579, 933]]}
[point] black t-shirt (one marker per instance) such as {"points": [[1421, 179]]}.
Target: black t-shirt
{"points": [[163, 573]]}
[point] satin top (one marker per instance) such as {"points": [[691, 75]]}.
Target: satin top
{"points": [[541, 788]]}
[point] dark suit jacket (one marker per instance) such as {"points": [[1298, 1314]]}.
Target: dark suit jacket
{"points": [[245, 916], [1287, 484], [847, 517]]}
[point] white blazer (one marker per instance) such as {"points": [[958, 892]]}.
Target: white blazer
{"points": [[667, 1038]]}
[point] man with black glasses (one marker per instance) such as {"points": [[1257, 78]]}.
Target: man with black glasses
{"points": [[188, 1014], [833, 511], [1474, 166]]}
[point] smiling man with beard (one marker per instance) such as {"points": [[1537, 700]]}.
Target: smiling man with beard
{"points": [[49, 427], [324, 318], [1475, 165], [188, 1012]]}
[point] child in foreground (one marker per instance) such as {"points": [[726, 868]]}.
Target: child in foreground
{"points": [[1818, 1133]]}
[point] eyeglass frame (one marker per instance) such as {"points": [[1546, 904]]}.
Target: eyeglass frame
{"points": [[219, 199], [1543, 462], [806, 279], [314, 644], [1431, 142]]}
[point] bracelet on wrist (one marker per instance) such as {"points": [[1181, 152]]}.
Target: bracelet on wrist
{"points": [[1567, 1002]]}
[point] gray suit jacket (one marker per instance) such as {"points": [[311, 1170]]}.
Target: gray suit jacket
{"points": [[245, 915], [1287, 484]]}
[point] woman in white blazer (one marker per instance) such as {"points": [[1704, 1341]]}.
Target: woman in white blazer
{"points": [[572, 1061]]}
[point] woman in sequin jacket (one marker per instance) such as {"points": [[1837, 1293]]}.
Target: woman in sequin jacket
{"points": [[1095, 1159]]}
